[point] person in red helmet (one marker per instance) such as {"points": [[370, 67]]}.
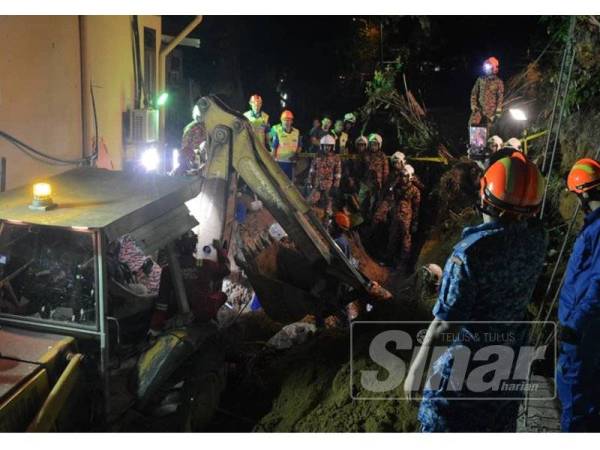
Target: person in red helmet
{"points": [[579, 310], [487, 285], [285, 143], [258, 118], [487, 95]]}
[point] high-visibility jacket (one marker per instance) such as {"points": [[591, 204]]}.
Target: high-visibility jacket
{"points": [[343, 140], [285, 145], [260, 123]]}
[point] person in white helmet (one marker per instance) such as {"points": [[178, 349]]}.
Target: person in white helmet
{"points": [[414, 178], [401, 204], [494, 144], [350, 130], [325, 175], [397, 163], [513, 143], [376, 173], [378, 167]]}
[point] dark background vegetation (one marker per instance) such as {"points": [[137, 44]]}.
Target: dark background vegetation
{"points": [[323, 62]]}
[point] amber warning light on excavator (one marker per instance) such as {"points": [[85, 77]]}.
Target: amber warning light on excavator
{"points": [[42, 197]]}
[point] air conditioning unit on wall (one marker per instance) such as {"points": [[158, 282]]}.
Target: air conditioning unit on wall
{"points": [[143, 126]]}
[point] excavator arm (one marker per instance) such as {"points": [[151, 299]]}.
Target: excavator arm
{"points": [[234, 148]]}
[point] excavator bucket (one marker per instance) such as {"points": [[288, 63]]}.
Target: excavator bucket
{"points": [[233, 147]]}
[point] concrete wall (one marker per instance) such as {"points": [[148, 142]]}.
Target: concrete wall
{"points": [[108, 64], [40, 92], [45, 63]]}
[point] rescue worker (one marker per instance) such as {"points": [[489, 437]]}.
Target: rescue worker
{"points": [[402, 203], [378, 167], [414, 177], [325, 175], [513, 143], [349, 124], [353, 170], [494, 144], [194, 134], [487, 95], [579, 310], [341, 138], [318, 132], [376, 172], [341, 226], [258, 118], [490, 276], [285, 143], [357, 164], [398, 161], [202, 277]]}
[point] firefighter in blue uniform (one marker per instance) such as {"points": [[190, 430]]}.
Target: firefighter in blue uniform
{"points": [[578, 371], [489, 276]]}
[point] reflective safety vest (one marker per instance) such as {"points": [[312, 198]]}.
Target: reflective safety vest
{"points": [[343, 142], [286, 144], [260, 124]]}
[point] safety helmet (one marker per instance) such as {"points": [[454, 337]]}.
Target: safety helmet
{"points": [[584, 176], [196, 112], [409, 170], [342, 220], [361, 140], [327, 140], [493, 63], [350, 117], [514, 143], [512, 185], [398, 156], [433, 273], [287, 114], [256, 99], [495, 140], [277, 232], [207, 253], [374, 137]]}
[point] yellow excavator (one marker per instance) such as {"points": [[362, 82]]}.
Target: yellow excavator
{"points": [[73, 348]]}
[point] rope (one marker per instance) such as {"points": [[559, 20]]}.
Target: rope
{"points": [[569, 47]]}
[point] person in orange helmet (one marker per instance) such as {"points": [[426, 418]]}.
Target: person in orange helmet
{"points": [[579, 310], [487, 95], [489, 277], [285, 143]]}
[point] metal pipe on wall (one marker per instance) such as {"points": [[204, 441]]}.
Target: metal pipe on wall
{"points": [[2, 174]]}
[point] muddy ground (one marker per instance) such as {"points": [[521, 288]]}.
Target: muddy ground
{"points": [[308, 386]]}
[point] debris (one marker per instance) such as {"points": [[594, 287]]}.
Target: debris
{"points": [[292, 334]]}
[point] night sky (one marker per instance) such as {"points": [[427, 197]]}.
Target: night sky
{"points": [[241, 55]]}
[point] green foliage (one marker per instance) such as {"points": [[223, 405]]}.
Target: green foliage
{"points": [[399, 108]]}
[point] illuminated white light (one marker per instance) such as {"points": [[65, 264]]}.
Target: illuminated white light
{"points": [[150, 159], [517, 114], [284, 96], [282, 102], [175, 159]]}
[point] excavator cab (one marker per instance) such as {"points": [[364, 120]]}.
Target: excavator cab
{"points": [[66, 321]]}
